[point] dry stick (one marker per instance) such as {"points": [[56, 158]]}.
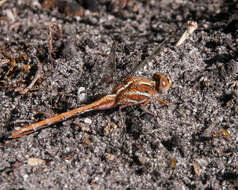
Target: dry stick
{"points": [[53, 27], [37, 76], [191, 27], [2, 2]]}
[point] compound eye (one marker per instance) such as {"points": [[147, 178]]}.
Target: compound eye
{"points": [[162, 82], [165, 83]]}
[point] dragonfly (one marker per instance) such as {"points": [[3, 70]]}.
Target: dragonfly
{"points": [[134, 90]]}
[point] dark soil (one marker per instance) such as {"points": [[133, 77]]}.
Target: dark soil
{"points": [[192, 144]]}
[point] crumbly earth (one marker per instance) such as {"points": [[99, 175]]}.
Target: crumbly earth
{"points": [[80, 47]]}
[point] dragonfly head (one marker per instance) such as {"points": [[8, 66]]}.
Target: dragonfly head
{"points": [[162, 82]]}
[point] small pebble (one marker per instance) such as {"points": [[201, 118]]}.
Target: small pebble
{"points": [[81, 94], [109, 156], [25, 177], [87, 120], [35, 161]]}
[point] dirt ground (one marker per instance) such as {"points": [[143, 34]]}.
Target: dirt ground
{"points": [[58, 55]]}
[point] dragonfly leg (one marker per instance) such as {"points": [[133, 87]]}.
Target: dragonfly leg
{"points": [[162, 102], [143, 107]]}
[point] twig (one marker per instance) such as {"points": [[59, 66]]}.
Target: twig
{"points": [[54, 27], [191, 27], [2, 2]]}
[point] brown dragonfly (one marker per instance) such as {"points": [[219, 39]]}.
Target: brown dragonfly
{"points": [[133, 91]]}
